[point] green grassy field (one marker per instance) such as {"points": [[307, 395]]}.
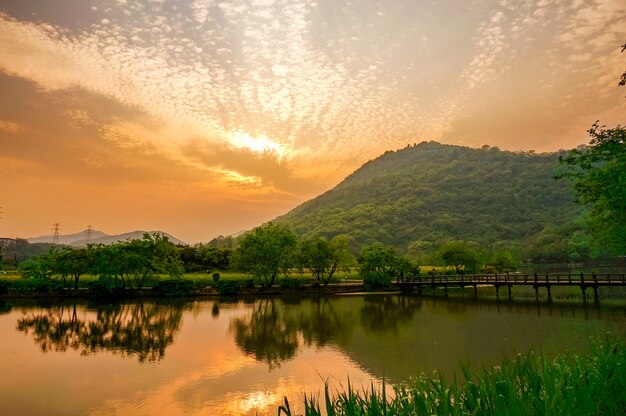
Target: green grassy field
{"points": [[199, 279]]}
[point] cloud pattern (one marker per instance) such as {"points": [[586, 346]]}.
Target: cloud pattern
{"points": [[287, 96]]}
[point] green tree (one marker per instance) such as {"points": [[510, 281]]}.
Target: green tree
{"points": [[464, 256], [377, 265], [131, 263], [266, 252], [598, 172], [324, 257]]}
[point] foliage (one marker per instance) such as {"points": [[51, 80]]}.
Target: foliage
{"points": [[380, 265], [21, 250], [4, 287], [266, 252], [432, 192], [228, 287], [35, 268], [106, 287], [205, 258], [530, 384], [289, 283], [464, 256], [599, 175], [133, 262], [175, 287], [323, 258]]}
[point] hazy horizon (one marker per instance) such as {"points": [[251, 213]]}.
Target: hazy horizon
{"points": [[204, 118]]}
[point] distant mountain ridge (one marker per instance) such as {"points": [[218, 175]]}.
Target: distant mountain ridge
{"points": [[81, 239], [430, 192]]}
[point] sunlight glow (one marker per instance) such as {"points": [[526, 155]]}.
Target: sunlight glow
{"points": [[259, 144]]}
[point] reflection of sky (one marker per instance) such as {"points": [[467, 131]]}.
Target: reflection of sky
{"points": [[202, 104], [204, 372]]}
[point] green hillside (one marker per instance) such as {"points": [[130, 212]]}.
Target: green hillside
{"points": [[431, 192]]}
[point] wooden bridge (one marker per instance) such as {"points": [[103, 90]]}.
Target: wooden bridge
{"points": [[548, 281]]}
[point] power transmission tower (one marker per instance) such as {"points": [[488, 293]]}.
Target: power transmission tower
{"points": [[89, 232], [55, 233]]}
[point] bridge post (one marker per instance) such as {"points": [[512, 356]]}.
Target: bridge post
{"points": [[510, 296], [595, 294], [497, 291], [475, 292], [549, 294], [536, 291], [584, 289]]}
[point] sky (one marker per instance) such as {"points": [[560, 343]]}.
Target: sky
{"points": [[209, 117]]}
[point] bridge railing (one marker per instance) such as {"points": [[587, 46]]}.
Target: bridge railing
{"points": [[504, 278]]}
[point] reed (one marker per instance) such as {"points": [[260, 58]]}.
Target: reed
{"points": [[592, 383]]}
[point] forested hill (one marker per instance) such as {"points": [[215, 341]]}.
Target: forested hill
{"points": [[431, 192]]}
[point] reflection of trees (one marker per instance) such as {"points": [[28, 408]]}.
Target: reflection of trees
{"points": [[142, 329], [266, 334], [273, 331], [383, 313], [321, 323]]}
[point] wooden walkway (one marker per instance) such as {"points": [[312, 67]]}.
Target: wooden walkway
{"points": [[548, 281]]}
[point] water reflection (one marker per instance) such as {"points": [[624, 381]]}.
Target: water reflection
{"points": [[241, 357], [144, 330], [386, 313], [266, 334], [275, 329]]}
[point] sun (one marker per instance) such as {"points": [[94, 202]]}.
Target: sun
{"points": [[258, 144]]}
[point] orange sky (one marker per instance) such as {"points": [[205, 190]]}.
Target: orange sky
{"points": [[209, 117]]}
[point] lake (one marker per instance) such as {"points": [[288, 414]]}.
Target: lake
{"points": [[213, 357]]}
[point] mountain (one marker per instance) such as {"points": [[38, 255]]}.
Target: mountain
{"points": [[82, 238], [430, 192], [68, 239]]}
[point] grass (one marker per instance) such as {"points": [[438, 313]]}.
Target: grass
{"points": [[200, 279], [593, 383]]}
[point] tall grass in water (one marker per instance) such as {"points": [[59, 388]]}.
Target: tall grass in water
{"points": [[593, 383]]}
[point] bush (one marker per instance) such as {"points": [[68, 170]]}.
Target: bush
{"points": [[248, 283], [175, 287], [216, 278], [289, 283], [4, 287], [228, 287], [105, 287], [375, 281]]}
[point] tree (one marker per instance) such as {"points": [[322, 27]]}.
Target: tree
{"points": [[377, 265], [464, 256], [266, 252], [324, 257], [598, 172], [133, 262]]}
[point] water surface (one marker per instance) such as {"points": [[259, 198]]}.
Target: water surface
{"points": [[241, 357]]}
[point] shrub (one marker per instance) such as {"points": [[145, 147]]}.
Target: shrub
{"points": [[228, 287], [175, 287], [105, 287], [216, 278], [290, 283], [4, 287]]}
